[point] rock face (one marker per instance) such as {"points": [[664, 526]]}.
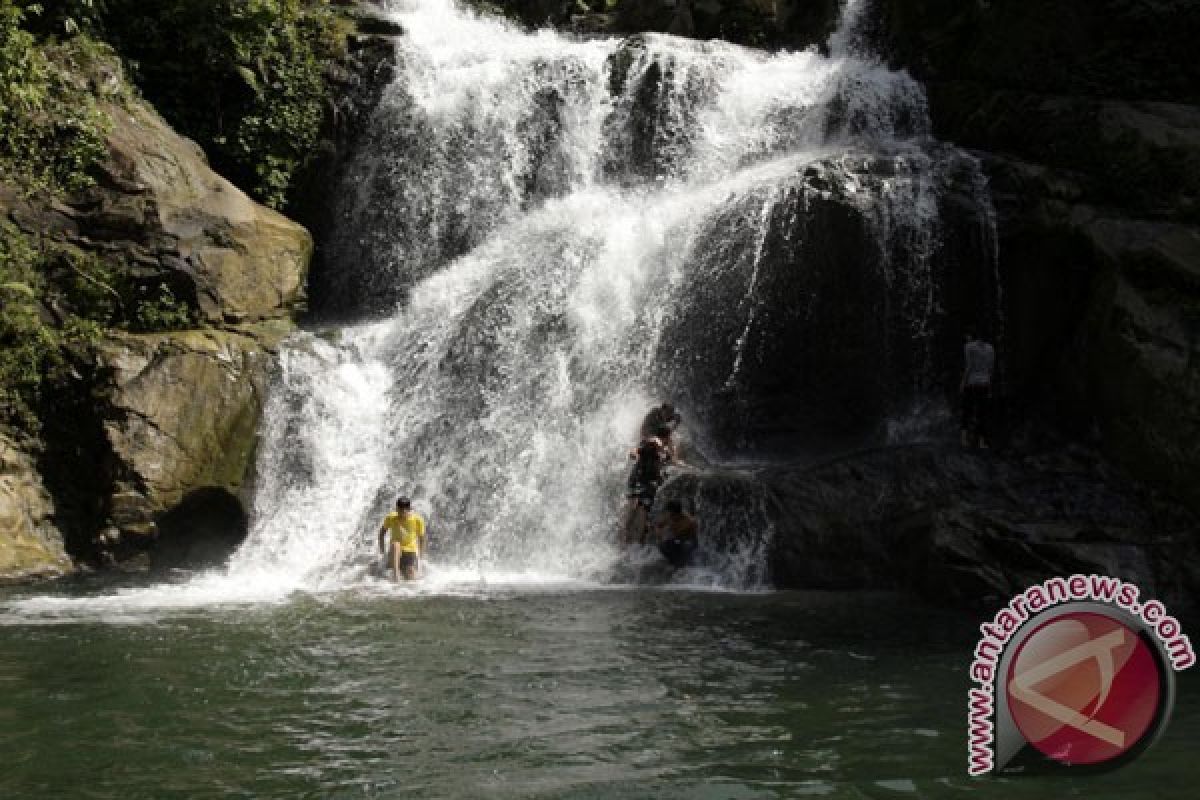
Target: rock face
{"points": [[955, 527], [30, 545], [160, 216], [358, 81], [836, 260], [1086, 116], [160, 207], [181, 411], [1143, 349], [762, 23], [759, 23], [160, 419]]}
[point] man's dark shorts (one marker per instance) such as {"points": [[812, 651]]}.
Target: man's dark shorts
{"points": [[408, 560], [975, 400]]}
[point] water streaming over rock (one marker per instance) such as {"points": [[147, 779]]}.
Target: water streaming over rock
{"points": [[564, 232], [550, 236]]}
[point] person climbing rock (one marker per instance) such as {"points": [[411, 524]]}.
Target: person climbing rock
{"points": [[979, 359], [648, 473], [678, 535], [661, 421], [407, 529], [663, 416]]}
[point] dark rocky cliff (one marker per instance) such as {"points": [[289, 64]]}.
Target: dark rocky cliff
{"points": [[1086, 117], [760, 23]]}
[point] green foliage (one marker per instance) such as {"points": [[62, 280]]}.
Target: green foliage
{"points": [[55, 303], [51, 131], [244, 78], [162, 311], [85, 286], [62, 17], [29, 349]]}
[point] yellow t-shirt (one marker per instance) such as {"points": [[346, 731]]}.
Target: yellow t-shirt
{"points": [[405, 530]]}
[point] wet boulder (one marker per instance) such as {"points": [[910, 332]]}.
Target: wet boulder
{"points": [[955, 526], [1142, 352], [822, 308], [659, 94]]}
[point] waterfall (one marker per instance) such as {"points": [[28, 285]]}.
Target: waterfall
{"points": [[554, 235], [542, 237]]}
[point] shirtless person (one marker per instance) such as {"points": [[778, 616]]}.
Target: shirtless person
{"points": [[650, 457]]}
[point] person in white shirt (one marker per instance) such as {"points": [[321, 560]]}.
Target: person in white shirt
{"points": [[979, 360]]}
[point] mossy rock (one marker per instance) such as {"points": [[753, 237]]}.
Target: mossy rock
{"points": [[30, 545], [181, 411], [157, 193]]}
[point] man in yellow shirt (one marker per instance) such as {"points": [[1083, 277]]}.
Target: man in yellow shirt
{"points": [[407, 529]]}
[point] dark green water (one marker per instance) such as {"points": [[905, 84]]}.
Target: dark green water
{"points": [[556, 694]]}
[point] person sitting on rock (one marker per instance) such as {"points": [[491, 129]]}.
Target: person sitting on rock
{"points": [[678, 535], [407, 529], [648, 473], [976, 389]]}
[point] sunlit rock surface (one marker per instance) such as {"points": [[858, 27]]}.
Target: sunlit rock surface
{"points": [[30, 545], [169, 413]]}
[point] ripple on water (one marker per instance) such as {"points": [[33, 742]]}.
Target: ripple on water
{"points": [[510, 695]]}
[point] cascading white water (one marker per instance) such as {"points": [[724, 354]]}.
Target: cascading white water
{"points": [[588, 172], [546, 213]]}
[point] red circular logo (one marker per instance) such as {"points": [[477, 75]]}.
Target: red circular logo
{"points": [[1084, 688]]}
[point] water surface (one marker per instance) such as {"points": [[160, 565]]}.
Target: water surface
{"points": [[561, 692]]}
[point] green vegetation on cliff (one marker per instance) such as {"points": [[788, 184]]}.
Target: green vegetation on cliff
{"points": [[31, 352], [55, 303], [243, 78], [51, 131]]}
